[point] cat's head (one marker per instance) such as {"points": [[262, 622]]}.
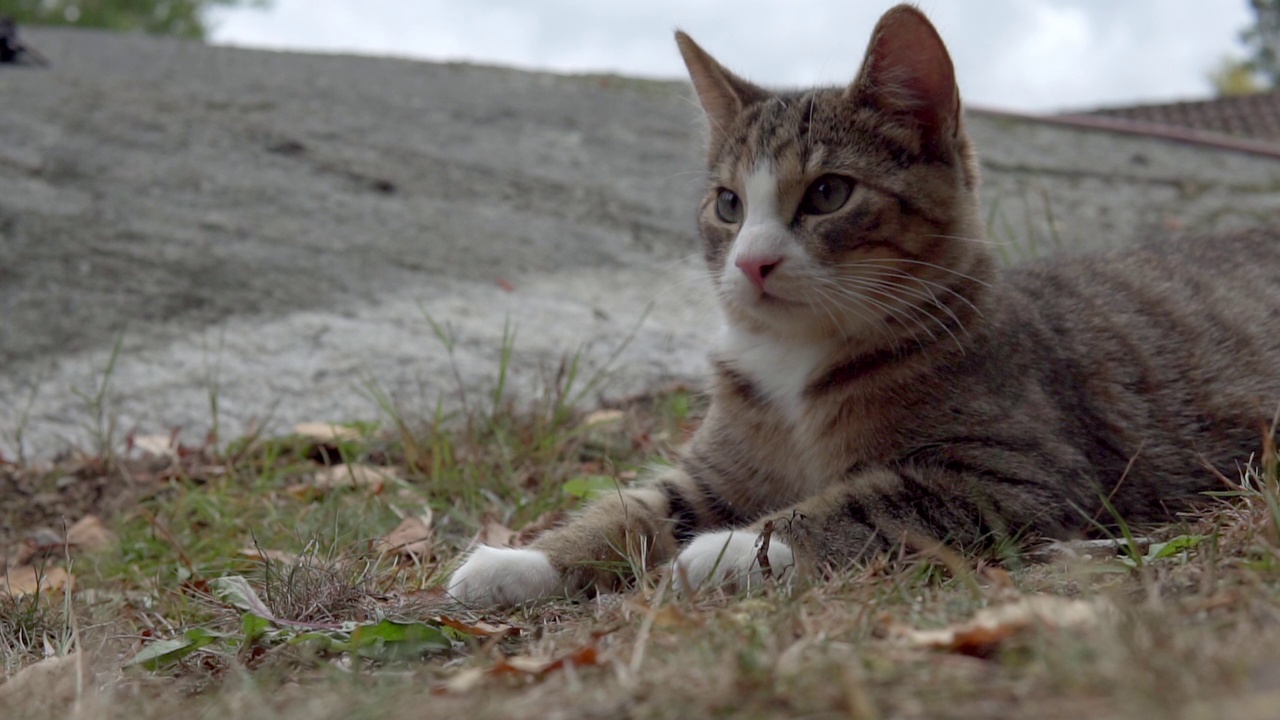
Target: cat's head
{"points": [[841, 212]]}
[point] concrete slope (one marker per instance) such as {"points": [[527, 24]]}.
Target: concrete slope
{"points": [[277, 229]]}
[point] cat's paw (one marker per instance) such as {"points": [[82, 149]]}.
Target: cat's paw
{"points": [[729, 559], [504, 576]]}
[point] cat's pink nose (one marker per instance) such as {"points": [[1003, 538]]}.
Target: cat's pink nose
{"points": [[758, 267]]}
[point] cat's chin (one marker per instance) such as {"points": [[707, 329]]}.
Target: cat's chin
{"points": [[778, 317], [786, 313]]}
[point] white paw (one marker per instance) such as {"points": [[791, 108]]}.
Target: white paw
{"points": [[504, 576], [728, 559]]}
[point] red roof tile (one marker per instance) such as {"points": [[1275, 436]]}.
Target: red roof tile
{"points": [[1248, 116]]}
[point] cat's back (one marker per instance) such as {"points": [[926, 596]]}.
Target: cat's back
{"points": [[1187, 325], [1190, 284]]}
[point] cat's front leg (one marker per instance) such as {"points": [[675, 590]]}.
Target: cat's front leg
{"points": [[845, 524], [734, 560], [602, 548], [831, 525]]}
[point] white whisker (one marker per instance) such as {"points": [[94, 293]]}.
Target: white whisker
{"points": [[909, 261], [894, 272], [855, 289]]}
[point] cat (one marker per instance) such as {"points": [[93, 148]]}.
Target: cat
{"points": [[883, 381]]}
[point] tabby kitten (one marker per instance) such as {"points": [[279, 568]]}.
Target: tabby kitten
{"points": [[882, 381]]}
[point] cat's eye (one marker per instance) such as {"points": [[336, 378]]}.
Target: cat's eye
{"points": [[826, 195], [728, 206]]}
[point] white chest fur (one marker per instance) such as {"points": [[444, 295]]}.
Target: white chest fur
{"points": [[780, 369]]}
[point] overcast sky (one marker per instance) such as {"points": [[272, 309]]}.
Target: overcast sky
{"points": [[1029, 55]]}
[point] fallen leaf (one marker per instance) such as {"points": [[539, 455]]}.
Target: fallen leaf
{"points": [[1087, 549], [480, 628], [601, 417], [395, 639], [90, 534], [505, 284], [349, 476], [524, 665], [411, 537], [543, 523], [236, 591], [160, 446], [27, 579], [463, 681], [325, 432], [999, 577], [494, 534], [671, 616], [533, 665], [263, 555], [160, 653], [587, 487], [990, 627], [41, 542]]}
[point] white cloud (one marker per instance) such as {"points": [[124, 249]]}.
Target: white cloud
{"points": [[1017, 54]]}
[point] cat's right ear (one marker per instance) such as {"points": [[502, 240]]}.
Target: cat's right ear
{"points": [[908, 74], [721, 93]]}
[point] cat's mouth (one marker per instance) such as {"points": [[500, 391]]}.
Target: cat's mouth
{"points": [[767, 304], [771, 300]]}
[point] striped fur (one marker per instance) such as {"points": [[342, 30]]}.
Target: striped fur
{"points": [[948, 400]]}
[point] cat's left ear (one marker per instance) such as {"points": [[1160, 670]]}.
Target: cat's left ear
{"points": [[908, 73], [721, 93]]}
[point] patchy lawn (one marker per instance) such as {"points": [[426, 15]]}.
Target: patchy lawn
{"points": [[298, 577]]}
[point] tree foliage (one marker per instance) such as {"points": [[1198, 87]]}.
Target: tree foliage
{"points": [[1234, 77], [1263, 41], [1260, 68], [183, 18]]}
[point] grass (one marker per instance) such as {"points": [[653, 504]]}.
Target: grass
{"points": [[238, 585]]}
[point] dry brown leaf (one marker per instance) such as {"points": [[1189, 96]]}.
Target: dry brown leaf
{"points": [[494, 534], [600, 417], [354, 475], [523, 665], [670, 616], [543, 523], [982, 636], [411, 537], [26, 579], [90, 534], [463, 681], [480, 628], [999, 578], [325, 432], [41, 542], [532, 665], [156, 445], [263, 555]]}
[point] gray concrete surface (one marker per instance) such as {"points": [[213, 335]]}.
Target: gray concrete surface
{"points": [[276, 228]]}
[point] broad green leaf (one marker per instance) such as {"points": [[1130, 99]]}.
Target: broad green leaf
{"points": [[1174, 546], [166, 652], [389, 639], [236, 591], [587, 487], [253, 626]]}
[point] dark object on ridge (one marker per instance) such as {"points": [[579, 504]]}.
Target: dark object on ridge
{"points": [[12, 49]]}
